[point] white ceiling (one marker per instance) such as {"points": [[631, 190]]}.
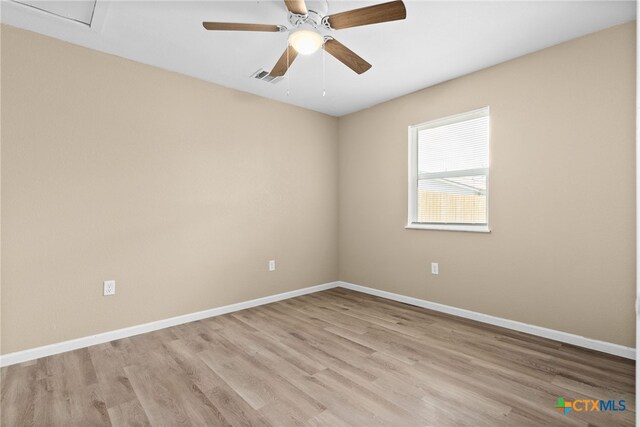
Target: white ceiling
{"points": [[81, 11], [438, 41]]}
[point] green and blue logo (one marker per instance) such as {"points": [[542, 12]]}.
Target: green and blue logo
{"points": [[589, 405]]}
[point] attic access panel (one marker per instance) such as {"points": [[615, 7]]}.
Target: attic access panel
{"points": [[74, 10]]}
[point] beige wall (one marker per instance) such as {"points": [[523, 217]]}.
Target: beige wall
{"points": [[561, 253], [182, 190], [179, 189]]}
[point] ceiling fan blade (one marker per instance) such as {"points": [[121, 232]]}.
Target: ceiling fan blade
{"points": [[385, 12], [283, 63], [296, 6], [346, 56], [230, 26]]}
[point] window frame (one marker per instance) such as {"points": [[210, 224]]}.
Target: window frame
{"points": [[412, 216]]}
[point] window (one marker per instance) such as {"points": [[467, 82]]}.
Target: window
{"points": [[448, 173]]}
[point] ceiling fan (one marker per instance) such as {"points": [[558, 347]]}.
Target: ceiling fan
{"points": [[307, 41]]}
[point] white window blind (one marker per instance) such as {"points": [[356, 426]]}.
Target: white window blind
{"points": [[449, 166]]}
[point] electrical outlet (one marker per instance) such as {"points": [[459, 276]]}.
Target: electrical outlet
{"points": [[109, 287], [272, 265], [434, 268]]}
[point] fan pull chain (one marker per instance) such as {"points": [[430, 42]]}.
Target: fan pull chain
{"points": [[324, 80]]}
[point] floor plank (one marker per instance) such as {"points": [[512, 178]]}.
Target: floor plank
{"points": [[331, 358]]}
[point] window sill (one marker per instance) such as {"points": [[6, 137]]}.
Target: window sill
{"points": [[450, 227]]}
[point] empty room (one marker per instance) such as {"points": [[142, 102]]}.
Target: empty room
{"points": [[318, 213]]}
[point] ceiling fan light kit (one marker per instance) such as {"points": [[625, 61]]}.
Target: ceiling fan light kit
{"points": [[306, 42]]}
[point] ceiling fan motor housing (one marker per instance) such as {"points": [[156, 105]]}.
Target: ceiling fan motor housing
{"points": [[312, 18]]}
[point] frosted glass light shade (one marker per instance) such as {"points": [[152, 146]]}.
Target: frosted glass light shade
{"points": [[306, 42]]}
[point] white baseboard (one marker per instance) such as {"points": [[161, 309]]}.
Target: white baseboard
{"points": [[48, 350], [565, 337]]}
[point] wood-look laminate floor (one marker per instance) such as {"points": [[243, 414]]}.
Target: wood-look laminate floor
{"points": [[327, 359]]}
